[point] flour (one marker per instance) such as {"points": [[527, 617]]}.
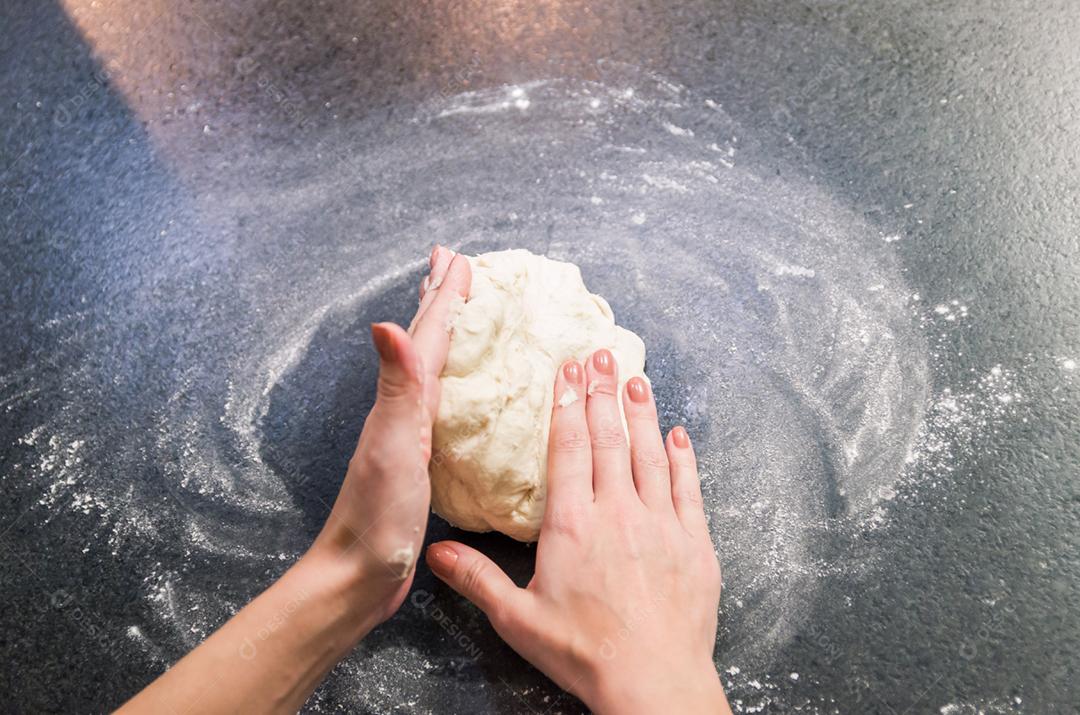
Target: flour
{"points": [[504, 99], [457, 304], [402, 560], [780, 329]]}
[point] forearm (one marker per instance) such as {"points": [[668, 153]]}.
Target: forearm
{"points": [[273, 653]]}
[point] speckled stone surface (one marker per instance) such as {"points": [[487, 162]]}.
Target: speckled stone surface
{"points": [[848, 233]]}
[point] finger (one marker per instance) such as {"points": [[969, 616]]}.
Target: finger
{"points": [[439, 262], [399, 391], [399, 386], [431, 330], [431, 326], [685, 485], [610, 454], [648, 458], [479, 579], [425, 283], [569, 465]]}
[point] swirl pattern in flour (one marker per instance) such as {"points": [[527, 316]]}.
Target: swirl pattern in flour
{"points": [[777, 324]]}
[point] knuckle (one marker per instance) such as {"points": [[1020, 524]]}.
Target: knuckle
{"points": [[688, 497], [602, 388], [644, 414], [375, 460], [570, 440], [397, 388], [608, 434], [565, 520], [650, 458], [683, 461], [471, 578]]}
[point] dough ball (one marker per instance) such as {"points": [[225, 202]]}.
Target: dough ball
{"points": [[525, 316]]}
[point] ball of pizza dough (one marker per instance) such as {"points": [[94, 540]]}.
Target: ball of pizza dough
{"points": [[525, 316]]}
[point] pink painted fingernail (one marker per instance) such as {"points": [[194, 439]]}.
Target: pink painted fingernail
{"points": [[680, 437], [442, 559], [384, 343], [572, 371], [604, 361], [637, 389]]}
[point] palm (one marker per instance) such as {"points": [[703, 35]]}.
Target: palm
{"points": [[383, 505]]}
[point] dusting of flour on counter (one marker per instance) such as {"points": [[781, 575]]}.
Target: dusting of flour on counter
{"points": [[805, 392]]}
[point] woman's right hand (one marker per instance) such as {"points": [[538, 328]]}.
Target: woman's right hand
{"points": [[622, 608]]}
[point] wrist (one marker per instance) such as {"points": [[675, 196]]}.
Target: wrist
{"points": [[351, 583], [692, 689]]}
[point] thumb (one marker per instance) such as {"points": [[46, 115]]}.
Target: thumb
{"points": [[477, 578], [399, 368]]}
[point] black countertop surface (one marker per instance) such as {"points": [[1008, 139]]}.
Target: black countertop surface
{"points": [[847, 232]]}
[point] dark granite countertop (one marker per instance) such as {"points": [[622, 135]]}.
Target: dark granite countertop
{"points": [[848, 233]]}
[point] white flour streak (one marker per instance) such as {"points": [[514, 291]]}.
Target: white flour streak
{"points": [[677, 131], [794, 271], [483, 102], [665, 183]]}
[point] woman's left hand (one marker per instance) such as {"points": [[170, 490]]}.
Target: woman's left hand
{"points": [[270, 656], [378, 520]]}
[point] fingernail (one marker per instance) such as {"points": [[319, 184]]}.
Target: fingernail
{"points": [[441, 559], [434, 255], [572, 371], [604, 361], [384, 343], [638, 390], [680, 438]]}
